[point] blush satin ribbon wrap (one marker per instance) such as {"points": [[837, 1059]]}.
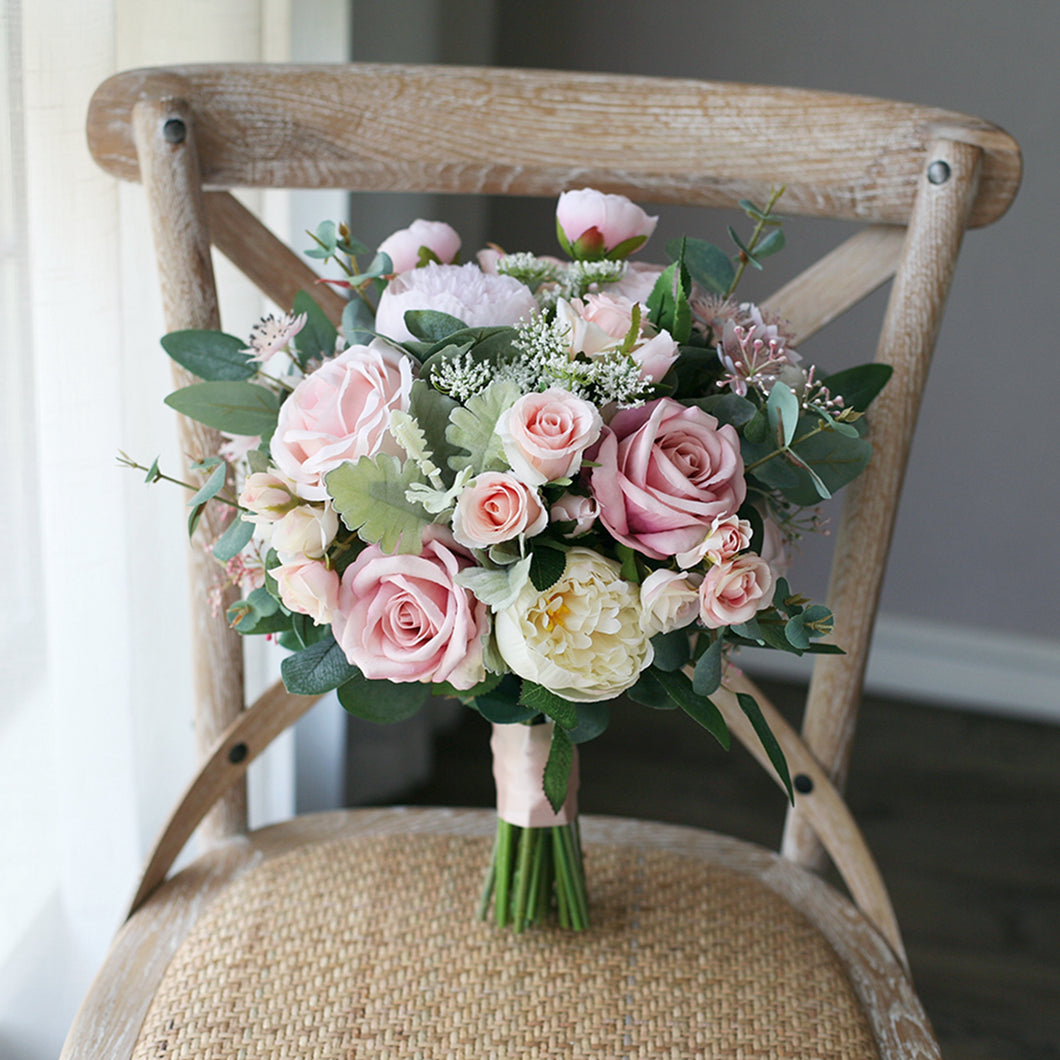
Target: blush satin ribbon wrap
{"points": [[519, 756]]}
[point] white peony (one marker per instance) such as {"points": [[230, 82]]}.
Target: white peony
{"points": [[582, 638]]}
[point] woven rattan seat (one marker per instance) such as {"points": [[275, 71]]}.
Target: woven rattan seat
{"points": [[365, 946], [352, 934]]}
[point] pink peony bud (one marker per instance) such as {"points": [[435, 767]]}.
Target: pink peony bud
{"points": [[591, 225]]}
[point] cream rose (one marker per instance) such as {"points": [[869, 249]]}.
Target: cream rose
{"points": [[267, 498], [497, 507], [582, 638], [340, 412], [305, 531], [545, 434], [735, 590], [669, 600]]}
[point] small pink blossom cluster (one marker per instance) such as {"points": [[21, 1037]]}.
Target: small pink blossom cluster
{"points": [[661, 481]]}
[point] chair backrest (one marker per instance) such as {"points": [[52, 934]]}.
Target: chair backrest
{"points": [[915, 176]]}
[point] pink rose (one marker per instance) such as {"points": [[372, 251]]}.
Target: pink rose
{"points": [[403, 618], [735, 590], [544, 435], [267, 498], [664, 473], [308, 588], [574, 508], [463, 291], [340, 412], [726, 538], [497, 507], [594, 225], [403, 246]]}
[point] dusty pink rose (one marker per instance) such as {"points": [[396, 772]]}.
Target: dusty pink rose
{"points": [[545, 434], [403, 618], [735, 590], [309, 588], [574, 508], [664, 473], [592, 224], [497, 507], [669, 600], [340, 412], [404, 245], [463, 291], [725, 539]]}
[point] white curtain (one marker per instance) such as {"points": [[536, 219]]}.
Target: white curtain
{"points": [[95, 730]]}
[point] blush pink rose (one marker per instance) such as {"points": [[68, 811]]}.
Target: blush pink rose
{"points": [[497, 507], [592, 224], [664, 473], [309, 588], [574, 508], [726, 538], [735, 591], [545, 434], [463, 291], [340, 412], [403, 618], [403, 246]]}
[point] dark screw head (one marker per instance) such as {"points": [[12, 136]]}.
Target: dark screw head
{"points": [[174, 131], [237, 753], [803, 784], [938, 172]]}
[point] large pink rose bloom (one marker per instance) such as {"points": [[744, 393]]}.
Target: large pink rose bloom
{"points": [[664, 473], [340, 412], [463, 291], [403, 618]]}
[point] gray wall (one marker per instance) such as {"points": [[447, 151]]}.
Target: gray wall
{"points": [[974, 544]]}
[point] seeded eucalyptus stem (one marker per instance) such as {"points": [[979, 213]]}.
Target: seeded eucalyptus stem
{"points": [[756, 235]]}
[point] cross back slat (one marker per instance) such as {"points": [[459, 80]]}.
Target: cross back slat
{"points": [[467, 130]]}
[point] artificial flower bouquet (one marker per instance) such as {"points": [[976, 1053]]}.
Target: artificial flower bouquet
{"points": [[535, 484]]}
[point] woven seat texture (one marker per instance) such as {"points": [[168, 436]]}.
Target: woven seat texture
{"points": [[367, 946]]}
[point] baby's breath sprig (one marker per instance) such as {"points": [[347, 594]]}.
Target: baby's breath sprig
{"points": [[582, 275], [462, 377], [529, 269]]}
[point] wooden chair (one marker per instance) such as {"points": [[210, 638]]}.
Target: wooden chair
{"points": [[351, 933]]}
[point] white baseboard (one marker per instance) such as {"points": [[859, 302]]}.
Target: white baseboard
{"points": [[956, 666]]}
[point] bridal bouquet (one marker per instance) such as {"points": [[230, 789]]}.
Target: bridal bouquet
{"points": [[536, 484]]}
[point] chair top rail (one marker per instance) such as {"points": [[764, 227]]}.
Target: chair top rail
{"points": [[375, 127]]}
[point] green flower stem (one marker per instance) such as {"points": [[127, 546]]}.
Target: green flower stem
{"points": [[504, 871], [753, 242], [820, 429], [523, 873], [127, 461]]}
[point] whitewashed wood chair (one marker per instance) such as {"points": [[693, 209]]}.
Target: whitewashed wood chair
{"points": [[351, 933]]}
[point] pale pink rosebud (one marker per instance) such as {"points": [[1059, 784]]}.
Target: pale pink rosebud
{"points": [[669, 600], [403, 247], [497, 507], [594, 225], [308, 588], [727, 536], [574, 508], [305, 532], [267, 498]]}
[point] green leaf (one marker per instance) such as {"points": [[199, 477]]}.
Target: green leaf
{"points": [[668, 307], [649, 693], [782, 408], [765, 735], [432, 410], [384, 702], [501, 705], [316, 341], [625, 248], [547, 564], [233, 540], [472, 429], [858, 386], [430, 325], [319, 668], [734, 236], [211, 487], [557, 768], [211, 355], [672, 650], [358, 322], [370, 495], [708, 265], [698, 708], [560, 710], [237, 408], [706, 678], [727, 408], [593, 719], [770, 243]]}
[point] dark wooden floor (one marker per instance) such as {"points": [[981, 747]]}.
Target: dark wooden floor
{"points": [[962, 811]]}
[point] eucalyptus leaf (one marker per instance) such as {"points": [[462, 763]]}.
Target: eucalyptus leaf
{"points": [[649, 693], [698, 708], [773, 750], [672, 650], [358, 322], [233, 407], [858, 386], [770, 243], [593, 719], [727, 408], [782, 408], [211, 355], [432, 410], [706, 678], [233, 540], [384, 702], [707, 265], [316, 341], [317, 669], [211, 487], [430, 325]]}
